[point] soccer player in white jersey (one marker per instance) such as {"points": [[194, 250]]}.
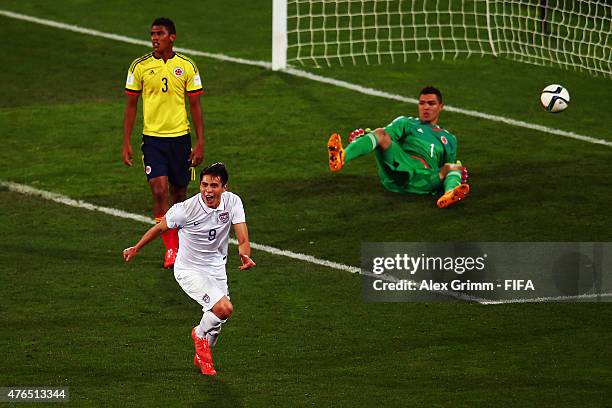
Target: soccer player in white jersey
{"points": [[204, 224]]}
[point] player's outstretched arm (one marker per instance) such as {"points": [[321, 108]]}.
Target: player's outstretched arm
{"points": [[150, 235], [244, 247]]}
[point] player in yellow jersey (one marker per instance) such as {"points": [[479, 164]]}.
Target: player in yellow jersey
{"points": [[163, 78]]}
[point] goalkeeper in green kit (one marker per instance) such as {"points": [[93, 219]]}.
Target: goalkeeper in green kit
{"points": [[413, 155]]}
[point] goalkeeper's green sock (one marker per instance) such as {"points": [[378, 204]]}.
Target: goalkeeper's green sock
{"points": [[452, 180], [360, 147]]}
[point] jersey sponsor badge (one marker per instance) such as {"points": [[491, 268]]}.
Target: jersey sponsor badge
{"points": [[444, 140], [148, 170], [419, 130], [224, 217], [196, 80], [178, 72], [206, 298], [130, 80]]}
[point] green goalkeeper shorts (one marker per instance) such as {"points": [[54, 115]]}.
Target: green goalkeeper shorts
{"points": [[400, 172]]}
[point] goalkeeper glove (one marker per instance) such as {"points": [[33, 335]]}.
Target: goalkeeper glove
{"points": [[357, 133], [464, 173]]}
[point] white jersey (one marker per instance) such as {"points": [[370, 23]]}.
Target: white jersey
{"points": [[204, 232]]}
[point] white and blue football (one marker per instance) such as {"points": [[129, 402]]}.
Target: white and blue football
{"points": [[555, 98]]}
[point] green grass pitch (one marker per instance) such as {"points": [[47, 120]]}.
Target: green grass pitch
{"points": [[73, 314]]}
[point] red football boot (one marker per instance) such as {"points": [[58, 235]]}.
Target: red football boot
{"points": [[203, 356], [170, 258], [205, 368]]}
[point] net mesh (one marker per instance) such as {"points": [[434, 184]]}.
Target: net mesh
{"points": [[568, 33]]}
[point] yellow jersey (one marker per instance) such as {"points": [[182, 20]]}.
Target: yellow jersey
{"points": [[163, 86]]}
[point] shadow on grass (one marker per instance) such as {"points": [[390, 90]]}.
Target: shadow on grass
{"points": [[216, 393]]}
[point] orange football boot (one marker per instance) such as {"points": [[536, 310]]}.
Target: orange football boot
{"points": [[454, 196], [336, 152]]}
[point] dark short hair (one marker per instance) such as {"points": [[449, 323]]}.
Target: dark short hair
{"points": [[217, 169], [166, 22], [428, 90]]}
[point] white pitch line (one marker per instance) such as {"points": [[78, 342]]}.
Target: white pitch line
{"points": [[547, 299], [129, 40], [310, 76], [62, 199], [467, 112]]}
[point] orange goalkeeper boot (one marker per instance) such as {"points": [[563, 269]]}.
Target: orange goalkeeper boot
{"points": [[336, 152], [454, 196]]}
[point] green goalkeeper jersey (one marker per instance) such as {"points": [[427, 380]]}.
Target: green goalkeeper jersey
{"points": [[412, 162], [431, 143]]}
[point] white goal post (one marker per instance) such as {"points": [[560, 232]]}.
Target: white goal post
{"points": [[568, 33], [279, 34]]}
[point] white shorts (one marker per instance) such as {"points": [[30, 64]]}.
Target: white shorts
{"points": [[205, 289]]}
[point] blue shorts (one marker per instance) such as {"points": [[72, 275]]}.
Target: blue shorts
{"points": [[167, 156]]}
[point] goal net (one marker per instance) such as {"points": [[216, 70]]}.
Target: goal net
{"points": [[568, 33]]}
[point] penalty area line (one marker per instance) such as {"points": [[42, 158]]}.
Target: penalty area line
{"points": [[307, 75], [62, 199]]}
